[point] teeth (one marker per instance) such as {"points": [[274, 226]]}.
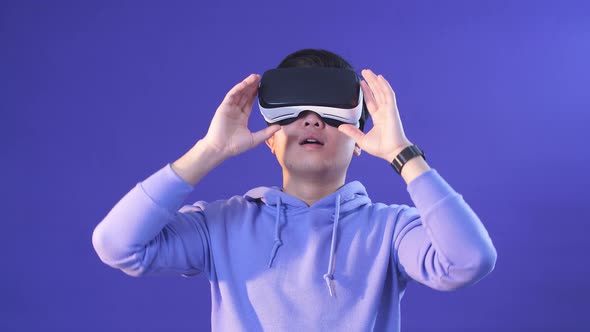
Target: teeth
{"points": [[311, 141]]}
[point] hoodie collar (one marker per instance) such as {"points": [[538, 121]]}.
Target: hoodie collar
{"points": [[352, 195]]}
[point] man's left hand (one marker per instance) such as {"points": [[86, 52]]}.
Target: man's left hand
{"points": [[386, 139]]}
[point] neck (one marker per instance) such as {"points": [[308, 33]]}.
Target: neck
{"points": [[311, 189]]}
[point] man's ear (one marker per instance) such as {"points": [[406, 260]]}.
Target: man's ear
{"points": [[270, 142], [357, 150]]}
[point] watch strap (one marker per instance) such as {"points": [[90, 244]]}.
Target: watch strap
{"points": [[405, 155]]}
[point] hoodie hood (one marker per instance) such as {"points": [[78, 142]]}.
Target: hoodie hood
{"points": [[343, 201]]}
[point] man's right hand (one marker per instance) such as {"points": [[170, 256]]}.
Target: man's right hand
{"points": [[228, 132]]}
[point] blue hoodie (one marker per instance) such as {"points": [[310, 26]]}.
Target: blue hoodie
{"points": [[276, 264]]}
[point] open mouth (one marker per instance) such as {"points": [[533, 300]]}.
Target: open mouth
{"points": [[311, 141]]}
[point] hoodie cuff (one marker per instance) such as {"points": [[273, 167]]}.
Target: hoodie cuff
{"points": [[429, 188], [166, 188]]}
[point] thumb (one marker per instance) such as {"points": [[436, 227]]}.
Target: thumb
{"points": [[261, 135], [352, 132]]}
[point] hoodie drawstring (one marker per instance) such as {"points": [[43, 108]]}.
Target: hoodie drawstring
{"points": [[278, 241], [329, 276]]}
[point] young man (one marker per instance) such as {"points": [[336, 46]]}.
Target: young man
{"points": [[316, 254]]}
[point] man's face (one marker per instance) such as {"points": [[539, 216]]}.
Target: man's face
{"points": [[309, 146]]}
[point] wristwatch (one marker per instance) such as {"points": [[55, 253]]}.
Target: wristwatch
{"points": [[406, 154]]}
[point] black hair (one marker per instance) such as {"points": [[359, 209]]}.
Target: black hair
{"points": [[309, 57]]}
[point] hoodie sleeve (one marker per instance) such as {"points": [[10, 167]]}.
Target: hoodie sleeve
{"points": [[441, 242], [146, 233]]}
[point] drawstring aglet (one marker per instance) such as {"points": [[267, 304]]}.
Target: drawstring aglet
{"points": [[329, 278]]}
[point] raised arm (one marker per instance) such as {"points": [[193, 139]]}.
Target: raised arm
{"points": [[441, 242], [145, 232]]}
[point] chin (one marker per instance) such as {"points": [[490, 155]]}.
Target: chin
{"points": [[321, 168]]}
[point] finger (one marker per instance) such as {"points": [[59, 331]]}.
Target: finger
{"points": [[250, 91], [263, 134], [374, 84], [381, 88], [245, 92], [388, 91], [234, 95], [249, 98], [249, 102], [369, 98], [353, 132]]}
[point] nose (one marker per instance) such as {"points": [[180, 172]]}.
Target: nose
{"points": [[312, 119]]}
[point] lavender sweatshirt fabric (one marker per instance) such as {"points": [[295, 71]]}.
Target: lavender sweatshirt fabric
{"points": [[276, 264]]}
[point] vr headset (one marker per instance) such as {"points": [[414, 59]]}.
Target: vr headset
{"points": [[334, 94]]}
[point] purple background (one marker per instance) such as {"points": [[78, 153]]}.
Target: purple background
{"points": [[96, 96]]}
